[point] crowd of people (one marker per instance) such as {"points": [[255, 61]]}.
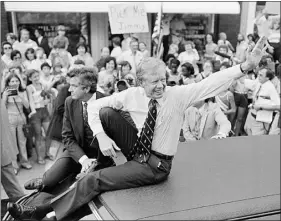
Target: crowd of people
{"points": [[36, 82]]}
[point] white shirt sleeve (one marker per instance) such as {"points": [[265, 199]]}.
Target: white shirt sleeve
{"points": [[116, 101], [209, 87]]}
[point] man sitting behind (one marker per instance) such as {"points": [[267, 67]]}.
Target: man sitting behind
{"points": [[77, 137], [207, 122]]}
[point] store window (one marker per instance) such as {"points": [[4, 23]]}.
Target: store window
{"points": [[76, 25]]}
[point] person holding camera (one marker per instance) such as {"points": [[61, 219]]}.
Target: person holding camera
{"points": [[39, 99], [15, 98]]}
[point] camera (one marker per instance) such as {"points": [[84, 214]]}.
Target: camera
{"points": [[13, 91]]}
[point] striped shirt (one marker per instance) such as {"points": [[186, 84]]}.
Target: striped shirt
{"points": [[170, 108]]}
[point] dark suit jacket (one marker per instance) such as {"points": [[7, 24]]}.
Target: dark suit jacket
{"points": [[55, 127], [45, 45], [73, 130]]}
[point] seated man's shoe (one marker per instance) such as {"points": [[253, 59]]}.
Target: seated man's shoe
{"points": [[109, 163], [34, 184], [21, 212]]}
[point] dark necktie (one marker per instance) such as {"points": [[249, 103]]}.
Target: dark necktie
{"points": [[144, 142], [85, 113]]}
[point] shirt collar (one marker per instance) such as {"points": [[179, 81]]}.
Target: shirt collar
{"points": [[94, 97], [160, 101]]}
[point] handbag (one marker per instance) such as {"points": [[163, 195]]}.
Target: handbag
{"points": [[27, 128]]}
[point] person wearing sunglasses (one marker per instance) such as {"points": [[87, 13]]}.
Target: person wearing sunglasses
{"points": [[7, 49]]}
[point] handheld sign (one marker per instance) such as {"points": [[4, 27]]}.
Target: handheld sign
{"points": [[128, 18]]}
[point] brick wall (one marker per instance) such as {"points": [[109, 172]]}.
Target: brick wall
{"points": [[4, 23]]}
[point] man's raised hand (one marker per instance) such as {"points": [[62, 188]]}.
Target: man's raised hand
{"points": [[254, 55]]}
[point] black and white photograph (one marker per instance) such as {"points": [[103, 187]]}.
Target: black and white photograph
{"points": [[140, 110]]}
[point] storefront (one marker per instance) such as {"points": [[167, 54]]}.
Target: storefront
{"points": [[91, 19]]}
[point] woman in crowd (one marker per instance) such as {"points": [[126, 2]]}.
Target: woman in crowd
{"points": [[190, 55], [7, 49], [82, 54], [60, 55], [224, 50], [39, 99], [207, 71], [30, 56], [187, 74], [251, 39], [108, 74], [210, 47], [173, 76], [143, 49], [17, 59], [15, 98], [40, 59]]}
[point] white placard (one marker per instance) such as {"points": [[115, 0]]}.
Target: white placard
{"points": [[128, 18]]}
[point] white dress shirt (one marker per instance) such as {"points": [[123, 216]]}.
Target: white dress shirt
{"points": [[170, 112], [134, 60], [116, 52], [92, 99]]}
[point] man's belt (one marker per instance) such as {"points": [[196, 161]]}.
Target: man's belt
{"points": [[162, 156]]}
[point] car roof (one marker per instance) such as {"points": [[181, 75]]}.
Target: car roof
{"points": [[211, 179]]}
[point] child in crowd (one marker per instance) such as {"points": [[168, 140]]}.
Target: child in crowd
{"points": [[143, 49], [39, 98], [61, 36], [30, 56]]}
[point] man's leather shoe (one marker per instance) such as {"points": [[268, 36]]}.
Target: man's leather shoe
{"points": [[34, 184], [21, 212]]}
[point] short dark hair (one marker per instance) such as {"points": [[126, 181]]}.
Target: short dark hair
{"points": [[116, 41], [81, 44], [212, 35], [30, 73], [15, 66], [40, 31], [108, 59], [168, 57], [73, 72], [12, 36], [14, 54], [77, 62], [269, 73], [6, 43], [189, 67], [88, 77], [45, 64], [29, 50], [9, 78], [125, 63], [175, 61]]}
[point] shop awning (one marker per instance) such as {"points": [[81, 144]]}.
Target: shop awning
{"points": [[151, 7]]}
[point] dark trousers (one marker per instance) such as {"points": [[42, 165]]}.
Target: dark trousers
{"points": [[129, 175], [65, 167]]}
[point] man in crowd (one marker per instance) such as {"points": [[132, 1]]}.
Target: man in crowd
{"points": [[12, 38], [265, 97], [25, 43], [42, 41], [104, 54], [133, 56], [81, 149], [206, 122], [149, 142]]}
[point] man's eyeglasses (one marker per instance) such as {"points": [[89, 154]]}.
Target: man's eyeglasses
{"points": [[17, 58], [6, 48]]}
